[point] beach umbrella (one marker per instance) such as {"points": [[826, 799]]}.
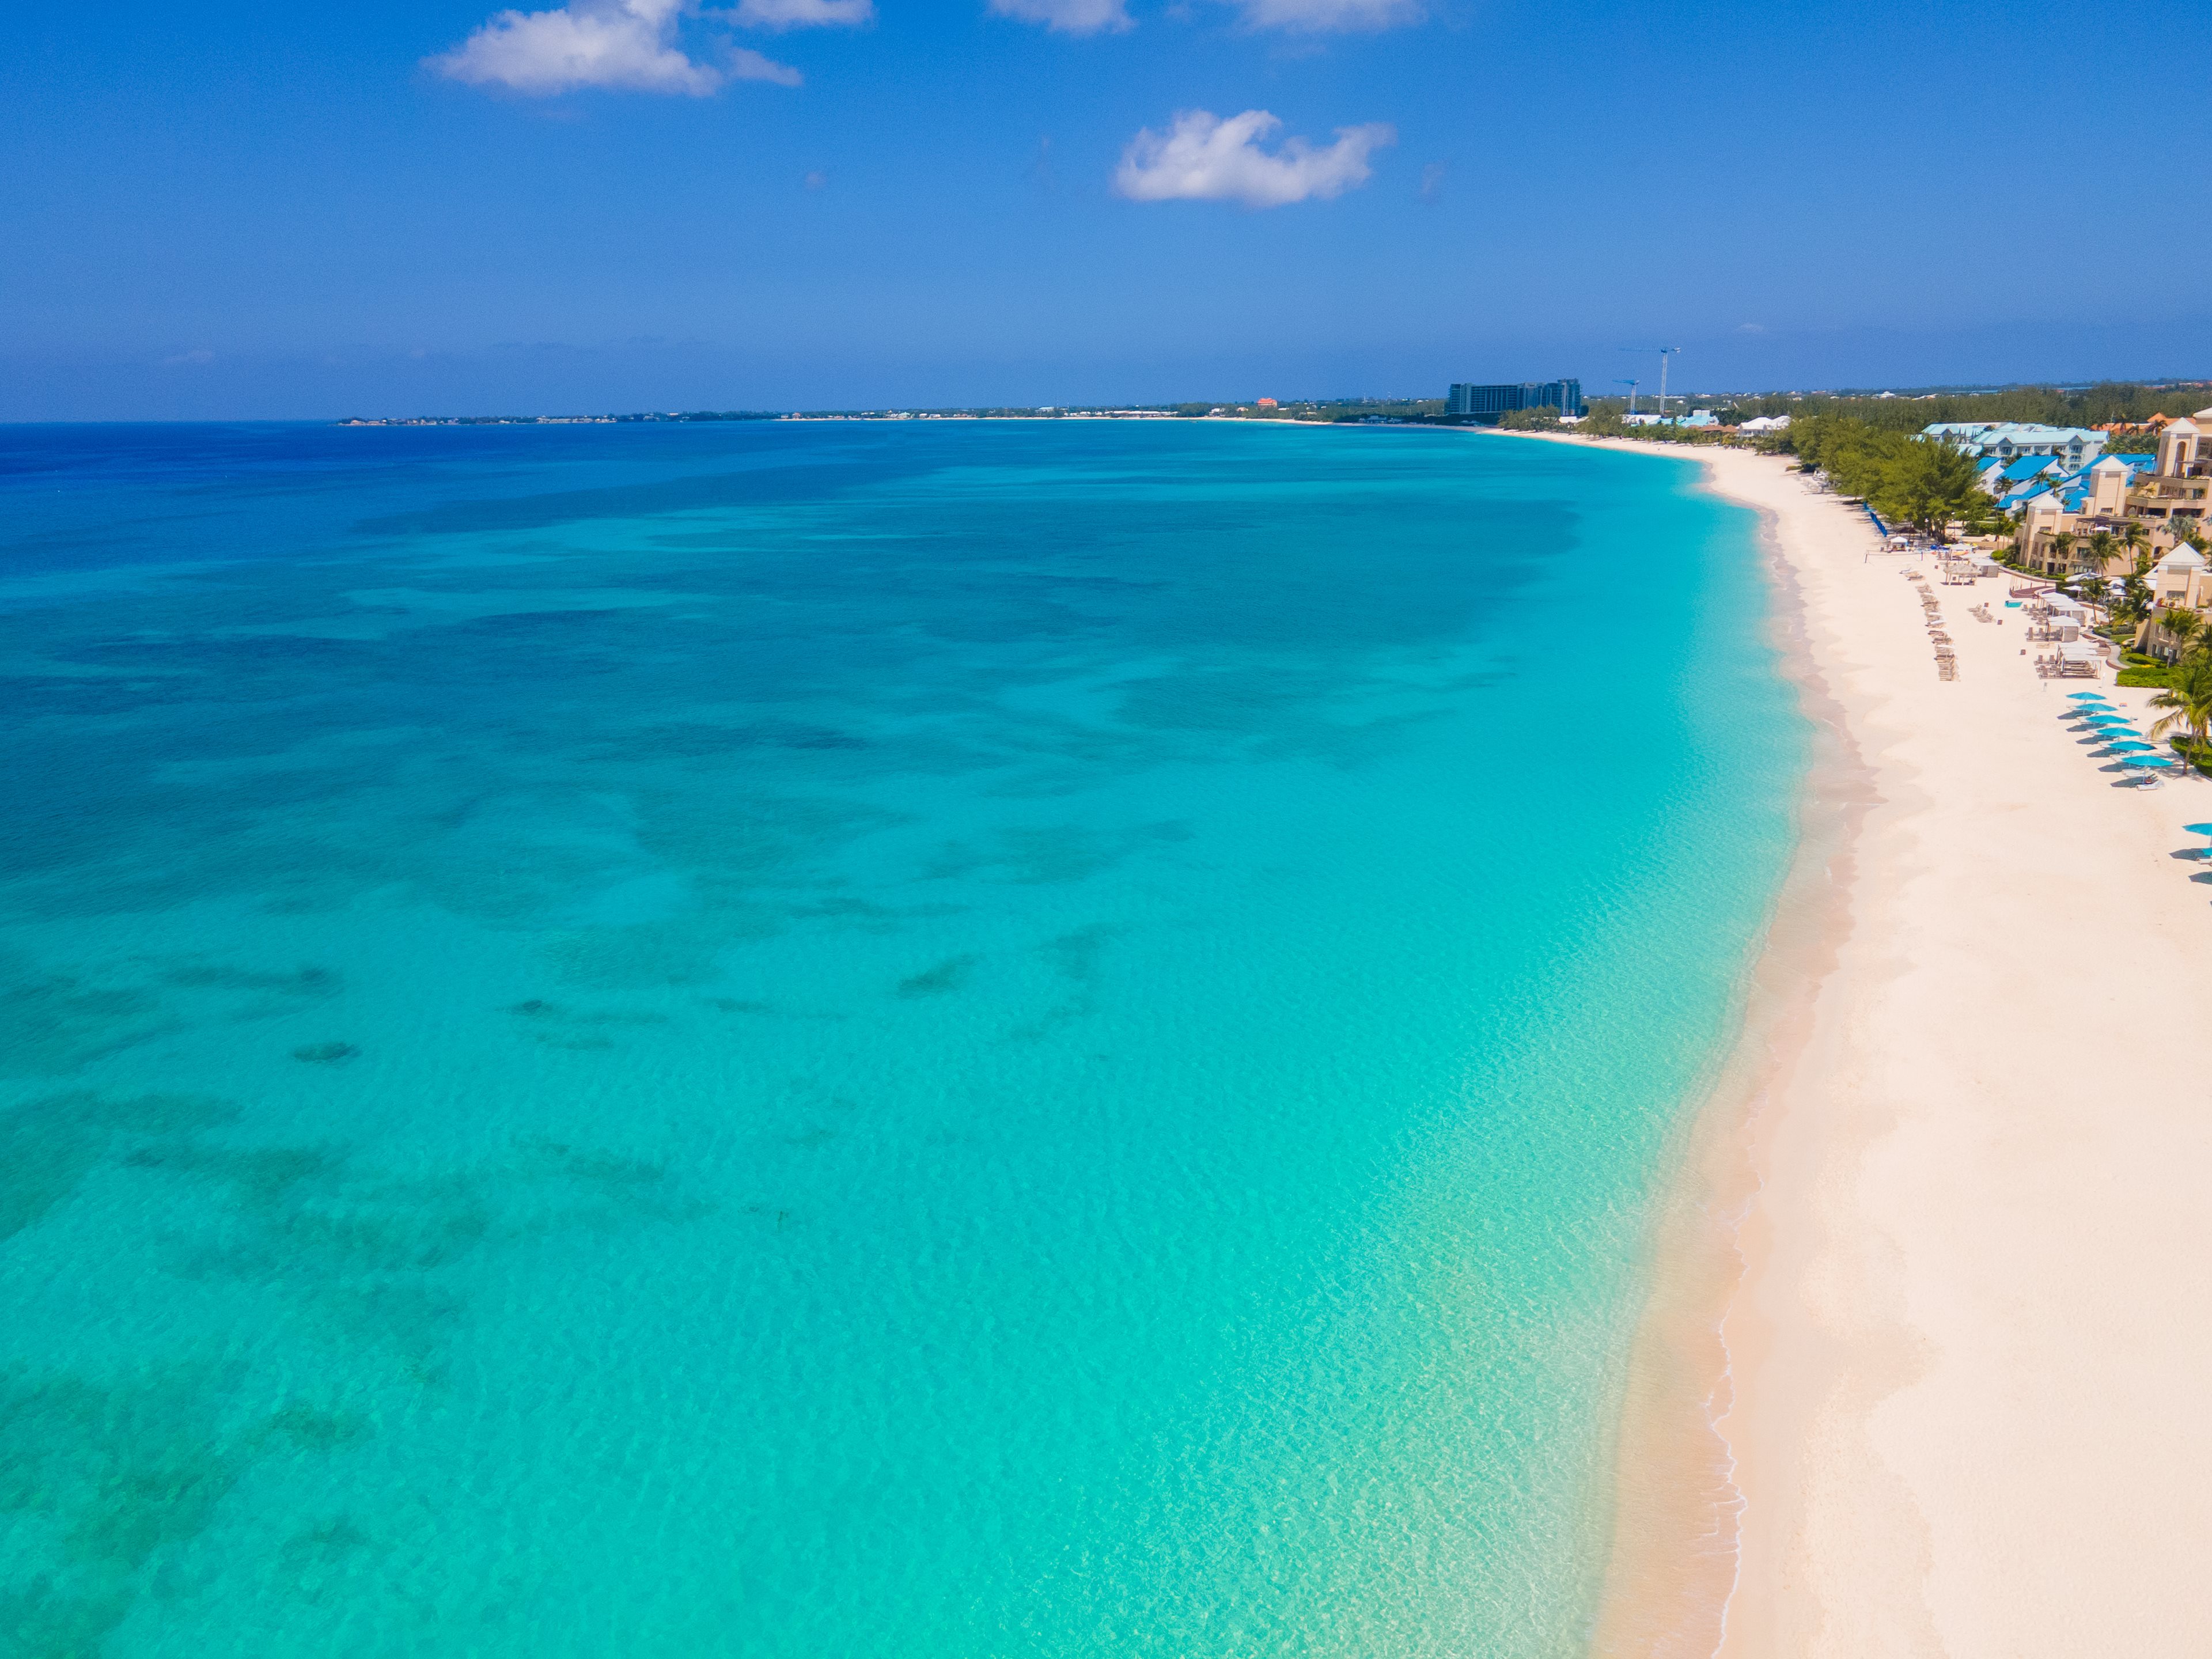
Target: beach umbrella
{"points": [[2145, 760], [2197, 828], [2124, 747], [2085, 696]]}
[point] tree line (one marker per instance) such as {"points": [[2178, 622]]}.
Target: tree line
{"points": [[1906, 478]]}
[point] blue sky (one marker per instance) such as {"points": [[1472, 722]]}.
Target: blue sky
{"points": [[253, 209]]}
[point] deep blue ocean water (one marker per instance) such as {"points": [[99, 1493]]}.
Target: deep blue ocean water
{"points": [[918, 1041]]}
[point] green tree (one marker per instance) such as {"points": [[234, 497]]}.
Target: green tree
{"points": [[2098, 557], [1541, 419], [2187, 699], [2136, 535], [2181, 627], [1921, 481], [2062, 548], [2136, 601]]}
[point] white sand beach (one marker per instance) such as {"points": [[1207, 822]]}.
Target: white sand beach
{"points": [[1952, 1204]]}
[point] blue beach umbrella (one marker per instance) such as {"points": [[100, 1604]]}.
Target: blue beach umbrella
{"points": [[2124, 747], [2086, 697], [2156, 761], [2197, 828]]}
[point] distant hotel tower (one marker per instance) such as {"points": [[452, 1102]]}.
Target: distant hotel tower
{"points": [[1487, 403]]}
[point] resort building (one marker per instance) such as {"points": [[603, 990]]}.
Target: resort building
{"points": [[2178, 489], [2165, 496], [1759, 423], [2181, 580], [2009, 440], [1489, 402], [2003, 478]]}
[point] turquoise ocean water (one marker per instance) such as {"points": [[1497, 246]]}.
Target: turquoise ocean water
{"points": [[917, 1040]]}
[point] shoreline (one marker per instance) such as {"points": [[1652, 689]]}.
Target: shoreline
{"points": [[1679, 1510], [1677, 1513], [1924, 1320]]}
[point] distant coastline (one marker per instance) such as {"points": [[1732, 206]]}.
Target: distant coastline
{"points": [[1358, 411]]}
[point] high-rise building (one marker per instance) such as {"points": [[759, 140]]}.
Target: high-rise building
{"points": [[1489, 402]]}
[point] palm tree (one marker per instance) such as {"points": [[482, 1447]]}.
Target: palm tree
{"points": [[2188, 699], [2181, 627], [2139, 540], [2135, 600], [2100, 554], [2062, 548]]}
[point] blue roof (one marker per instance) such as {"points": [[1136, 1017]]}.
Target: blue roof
{"points": [[2027, 466]]}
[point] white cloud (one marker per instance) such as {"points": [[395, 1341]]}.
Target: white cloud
{"points": [[746, 65], [1202, 158], [805, 13], [1323, 16], [1070, 16], [629, 45]]}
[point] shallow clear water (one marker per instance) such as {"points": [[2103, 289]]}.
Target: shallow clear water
{"points": [[810, 1039]]}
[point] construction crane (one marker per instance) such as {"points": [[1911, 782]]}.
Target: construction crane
{"points": [[1632, 386], [1665, 352]]}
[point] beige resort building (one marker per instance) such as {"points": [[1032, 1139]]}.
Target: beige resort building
{"points": [[2168, 499]]}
